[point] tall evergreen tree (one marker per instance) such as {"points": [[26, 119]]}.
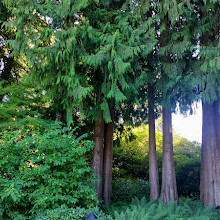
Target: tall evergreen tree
{"points": [[122, 43], [173, 51], [206, 68], [199, 30]]}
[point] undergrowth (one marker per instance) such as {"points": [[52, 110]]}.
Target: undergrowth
{"points": [[156, 210], [64, 213], [44, 171]]}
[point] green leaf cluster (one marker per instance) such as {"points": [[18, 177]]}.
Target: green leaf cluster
{"points": [[21, 102], [45, 170]]}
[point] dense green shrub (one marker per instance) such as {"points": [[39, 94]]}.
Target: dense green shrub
{"points": [[144, 210], [188, 177], [126, 189], [44, 171], [187, 163], [64, 213]]}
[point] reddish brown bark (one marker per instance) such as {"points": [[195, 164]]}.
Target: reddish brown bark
{"points": [[97, 160], [210, 159], [108, 157], [153, 165], [168, 188]]}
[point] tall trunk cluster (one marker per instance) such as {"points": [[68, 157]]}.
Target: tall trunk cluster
{"points": [[103, 155], [210, 159], [168, 188]]}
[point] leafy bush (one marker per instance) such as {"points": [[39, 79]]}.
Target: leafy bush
{"points": [[44, 171], [64, 213], [188, 177], [144, 210], [187, 162], [126, 189]]}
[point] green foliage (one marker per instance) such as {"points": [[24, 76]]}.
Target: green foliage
{"points": [[10, 68], [64, 213], [187, 164], [131, 159], [126, 189], [88, 55], [144, 210], [116, 206], [44, 170], [131, 154], [19, 102], [205, 65], [83, 48], [120, 43], [51, 47]]}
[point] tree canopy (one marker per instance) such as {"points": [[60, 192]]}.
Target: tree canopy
{"points": [[111, 63]]}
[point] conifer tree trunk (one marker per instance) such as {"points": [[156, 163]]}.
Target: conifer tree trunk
{"points": [[168, 189], [210, 159], [153, 165], [97, 159], [108, 157]]}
